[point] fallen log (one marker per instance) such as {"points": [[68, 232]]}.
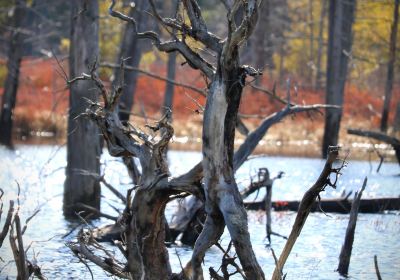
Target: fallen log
{"points": [[394, 142], [342, 205]]}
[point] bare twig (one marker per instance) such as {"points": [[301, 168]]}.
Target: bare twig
{"points": [[152, 75], [378, 274], [7, 223]]}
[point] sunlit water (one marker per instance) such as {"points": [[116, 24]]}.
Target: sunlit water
{"points": [[40, 172]]}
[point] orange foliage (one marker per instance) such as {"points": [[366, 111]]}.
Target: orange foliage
{"points": [[42, 88]]}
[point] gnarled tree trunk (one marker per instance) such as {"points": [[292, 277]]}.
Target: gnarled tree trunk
{"points": [[83, 146]]}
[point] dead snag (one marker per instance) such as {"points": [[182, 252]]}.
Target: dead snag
{"points": [[345, 253], [305, 207], [393, 141], [378, 274]]}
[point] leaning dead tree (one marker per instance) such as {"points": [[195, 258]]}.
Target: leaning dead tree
{"points": [[347, 247], [306, 203], [212, 180], [380, 136]]}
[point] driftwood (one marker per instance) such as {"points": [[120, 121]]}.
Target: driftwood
{"points": [[345, 253], [305, 207], [394, 142], [341, 205]]}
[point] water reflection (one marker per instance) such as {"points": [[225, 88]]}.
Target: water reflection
{"points": [[39, 171]]}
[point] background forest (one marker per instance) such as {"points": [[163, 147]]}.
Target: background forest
{"points": [[290, 42], [200, 139]]}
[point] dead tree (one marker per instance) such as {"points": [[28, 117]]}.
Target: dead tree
{"points": [[307, 202], [390, 67], [341, 17], [318, 71], [131, 50], [345, 252], [83, 143], [212, 180], [15, 53], [394, 142], [396, 124]]}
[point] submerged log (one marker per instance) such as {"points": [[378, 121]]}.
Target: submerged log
{"points": [[343, 205]]}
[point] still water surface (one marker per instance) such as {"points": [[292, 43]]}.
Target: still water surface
{"points": [[40, 172]]}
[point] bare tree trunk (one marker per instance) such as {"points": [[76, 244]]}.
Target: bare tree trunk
{"points": [[169, 89], [263, 48], [83, 147], [345, 253], [320, 45], [311, 26], [341, 18], [15, 53], [396, 124], [131, 50], [390, 68]]}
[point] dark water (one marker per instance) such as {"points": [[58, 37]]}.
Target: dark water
{"points": [[39, 171]]}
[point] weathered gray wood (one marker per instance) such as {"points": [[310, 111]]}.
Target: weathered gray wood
{"points": [[83, 142], [15, 53], [345, 252], [341, 18], [304, 209], [390, 67]]}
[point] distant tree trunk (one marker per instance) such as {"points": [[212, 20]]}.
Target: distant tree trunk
{"points": [[341, 18], [83, 147], [263, 48], [320, 45], [311, 26], [169, 89], [390, 69], [396, 125], [131, 50], [11, 84]]}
